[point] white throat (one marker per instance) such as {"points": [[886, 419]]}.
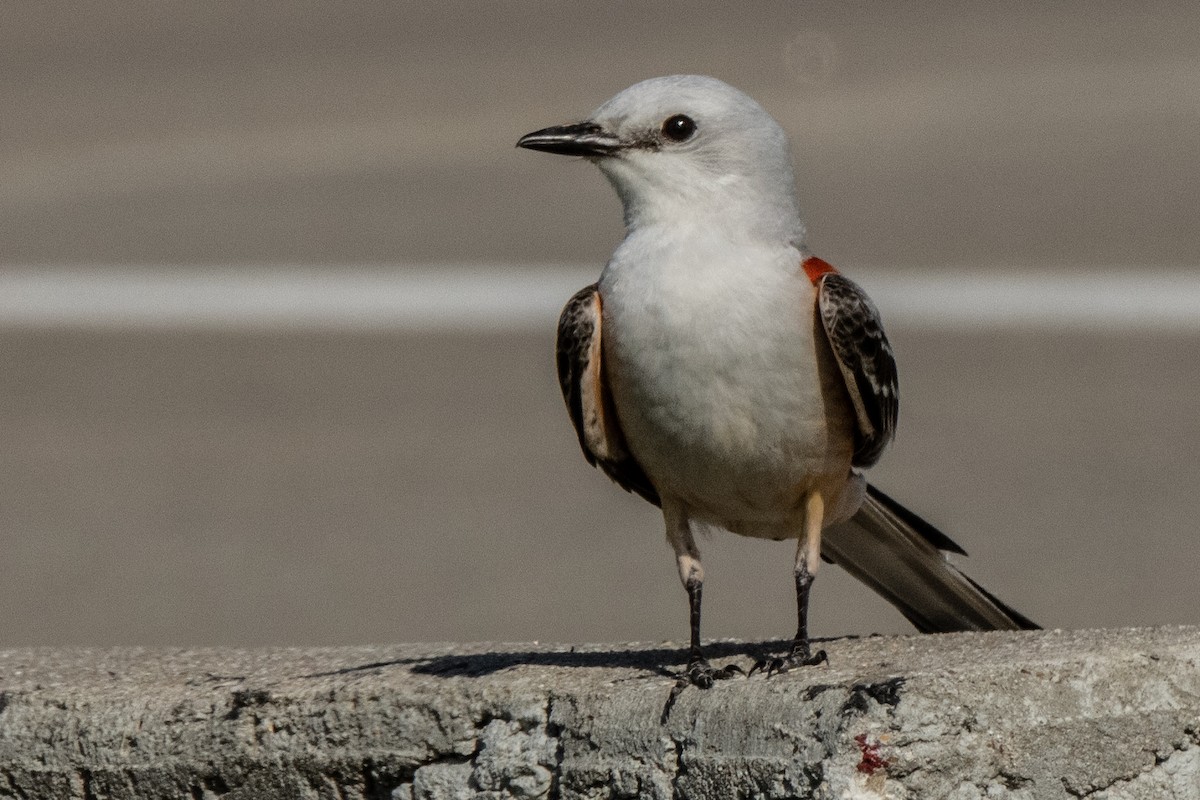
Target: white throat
{"points": [[659, 190]]}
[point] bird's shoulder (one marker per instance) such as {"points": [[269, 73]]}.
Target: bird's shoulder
{"points": [[582, 379], [854, 330]]}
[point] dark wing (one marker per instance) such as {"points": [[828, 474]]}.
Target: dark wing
{"points": [[858, 342], [589, 403]]}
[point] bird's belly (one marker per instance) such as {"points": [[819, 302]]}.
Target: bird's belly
{"points": [[737, 428]]}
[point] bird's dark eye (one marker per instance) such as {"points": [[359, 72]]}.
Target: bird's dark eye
{"points": [[679, 128]]}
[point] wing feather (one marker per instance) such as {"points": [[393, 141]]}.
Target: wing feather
{"points": [[865, 356], [589, 403]]}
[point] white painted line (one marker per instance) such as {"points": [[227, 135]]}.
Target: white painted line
{"points": [[1129, 299], [515, 298], [412, 298]]}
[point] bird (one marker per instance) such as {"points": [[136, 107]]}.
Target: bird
{"points": [[724, 373]]}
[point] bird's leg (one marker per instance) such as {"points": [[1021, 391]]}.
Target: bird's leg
{"points": [[808, 558], [695, 590], [699, 671], [691, 573]]}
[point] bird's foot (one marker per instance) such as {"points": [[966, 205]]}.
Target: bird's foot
{"points": [[702, 675], [798, 657]]}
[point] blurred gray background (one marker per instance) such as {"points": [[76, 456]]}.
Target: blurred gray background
{"points": [[272, 484]]}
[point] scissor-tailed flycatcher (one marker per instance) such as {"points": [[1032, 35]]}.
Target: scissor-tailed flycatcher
{"points": [[721, 371]]}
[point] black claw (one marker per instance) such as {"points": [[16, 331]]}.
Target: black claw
{"points": [[702, 675], [795, 660]]}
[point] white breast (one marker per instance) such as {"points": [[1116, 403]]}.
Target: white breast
{"points": [[722, 380]]}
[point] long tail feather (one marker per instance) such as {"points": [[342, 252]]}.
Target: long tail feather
{"points": [[899, 555]]}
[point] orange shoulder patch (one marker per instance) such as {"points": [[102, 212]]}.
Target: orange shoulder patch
{"points": [[814, 268]]}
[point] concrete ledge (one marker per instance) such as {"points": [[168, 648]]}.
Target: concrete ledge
{"points": [[1112, 714]]}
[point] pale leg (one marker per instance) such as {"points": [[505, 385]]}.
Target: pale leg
{"points": [[808, 559], [691, 571]]}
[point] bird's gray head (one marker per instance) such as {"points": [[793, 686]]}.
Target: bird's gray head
{"points": [[687, 147]]}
